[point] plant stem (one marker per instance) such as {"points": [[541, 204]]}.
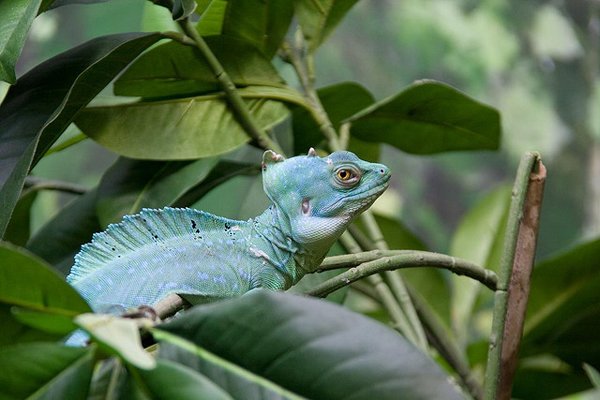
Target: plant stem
{"points": [[399, 320], [238, 106], [511, 296], [315, 107], [394, 280], [442, 341], [302, 67], [399, 259], [372, 262]]}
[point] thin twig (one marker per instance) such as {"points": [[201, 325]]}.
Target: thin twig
{"points": [[238, 106], [315, 107], [514, 278], [372, 262], [394, 280], [399, 319], [447, 347], [35, 183]]}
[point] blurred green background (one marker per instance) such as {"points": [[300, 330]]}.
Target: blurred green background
{"points": [[536, 61]]}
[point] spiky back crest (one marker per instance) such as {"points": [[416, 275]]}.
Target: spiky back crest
{"points": [[148, 228]]}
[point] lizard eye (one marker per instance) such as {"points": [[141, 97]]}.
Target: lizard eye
{"points": [[347, 176]]}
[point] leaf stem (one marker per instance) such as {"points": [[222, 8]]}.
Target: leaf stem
{"points": [[238, 106], [512, 293]]}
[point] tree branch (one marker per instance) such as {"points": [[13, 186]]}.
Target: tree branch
{"points": [[238, 106], [514, 278], [371, 262], [35, 183]]}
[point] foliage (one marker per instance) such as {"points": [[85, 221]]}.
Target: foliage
{"points": [[192, 131]]}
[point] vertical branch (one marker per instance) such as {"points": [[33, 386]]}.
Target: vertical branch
{"points": [[302, 66], [237, 104], [511, 297], [395, 282], [399, 319]]}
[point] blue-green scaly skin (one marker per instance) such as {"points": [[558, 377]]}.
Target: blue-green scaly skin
{"points": [[204, 258]]}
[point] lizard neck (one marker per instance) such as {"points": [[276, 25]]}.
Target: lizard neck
{"points": [[293, 259]]}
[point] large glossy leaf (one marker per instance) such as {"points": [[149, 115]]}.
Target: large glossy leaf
{"points": [[28, 282], [16, 17], [309, 347], [43, 102], [130, 185], [176, 129], [564, 311], [173, 69], [223, 172], [479, 238], [341, 101], [174, 381], [212, 15], [45, 371], [318, 18], [34, 296], [261, 23], [59, 240], [429, 117], [50, 4]]}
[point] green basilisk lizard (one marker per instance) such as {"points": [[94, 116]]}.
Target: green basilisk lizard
{"points": [[203, 258]]}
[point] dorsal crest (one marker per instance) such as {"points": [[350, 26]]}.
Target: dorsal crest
{"points": [[148, 228]]}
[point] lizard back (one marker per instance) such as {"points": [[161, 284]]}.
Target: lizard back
{"points": [[147, 247]]}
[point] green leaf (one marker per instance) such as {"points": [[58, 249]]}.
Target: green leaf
{"points": [[173, 381], [593, 374], [563, 310], [32, 294], [212, 16], [183, 9], [43, 102], [173, 69], [340, 102], [15, 331], [119, 336], [222, 173], [130, 185], [479, 238], [256, 340], [261, 23], [59, 325], [59, 240], [318, 18], [109, 380], [175, 129], [429, 117], [16, 17], [45, 371], [50, 4], [28, 282], [19, 229]]}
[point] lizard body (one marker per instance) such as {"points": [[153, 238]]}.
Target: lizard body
{"points": [[204, 258]]}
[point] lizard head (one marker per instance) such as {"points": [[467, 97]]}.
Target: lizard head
{"points": [[321, 195]]}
